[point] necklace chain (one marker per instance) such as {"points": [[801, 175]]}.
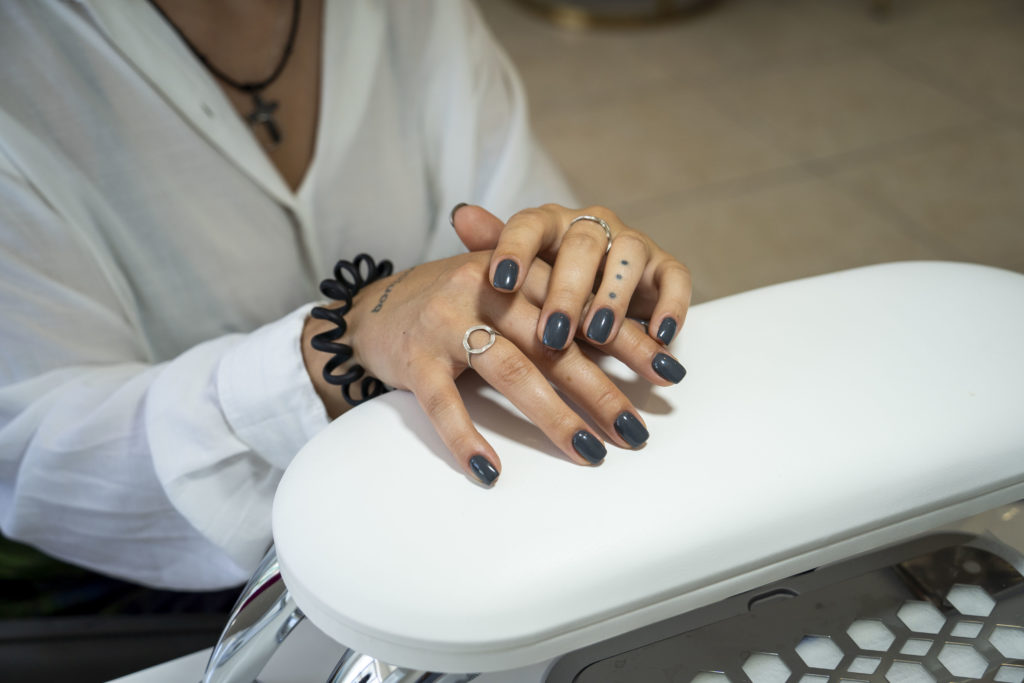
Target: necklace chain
{"points": [[263, 110]]}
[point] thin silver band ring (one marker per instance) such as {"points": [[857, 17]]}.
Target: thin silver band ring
{"points": [[470, 351], [599, 221]]}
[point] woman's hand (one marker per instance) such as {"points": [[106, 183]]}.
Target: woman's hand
{"points": [[407, 330], [596, 282]]}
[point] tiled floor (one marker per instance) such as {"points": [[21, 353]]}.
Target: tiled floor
{"points": [[774, 139]]}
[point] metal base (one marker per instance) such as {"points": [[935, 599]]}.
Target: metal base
{"points": [[945, 608]]}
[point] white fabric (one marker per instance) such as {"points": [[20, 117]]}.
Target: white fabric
{"points": [[155, 269]]}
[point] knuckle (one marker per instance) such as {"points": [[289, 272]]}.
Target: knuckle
{"points": [[633, 241], [468, 274], [436, 403], [637, 345], [583, 240], [560, 294], [608, 400], [531, 219], [602, 212], [437, 313], [462, 443], [514, 370], [564, 421]]}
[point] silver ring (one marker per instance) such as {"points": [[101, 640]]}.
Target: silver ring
{"points": [[470, 351], [599, 221]]}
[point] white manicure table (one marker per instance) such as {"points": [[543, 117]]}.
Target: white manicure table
{"points": [[831, 492]]}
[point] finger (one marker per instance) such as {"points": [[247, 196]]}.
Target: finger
{"points": [[478, 228], [435, 390], [535, 285], [525, 235], [674, 285], [626, 262], [508, 370], [581, 380], [645, 356], [572, 280]]}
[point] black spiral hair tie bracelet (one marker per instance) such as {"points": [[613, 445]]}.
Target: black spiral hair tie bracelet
{"points": [[349, 278]]}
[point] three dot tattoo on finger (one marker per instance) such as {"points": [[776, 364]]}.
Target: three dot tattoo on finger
{"points": [[601, 324]]}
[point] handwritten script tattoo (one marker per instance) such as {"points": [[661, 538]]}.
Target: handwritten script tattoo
{"points": [[387, 291]]}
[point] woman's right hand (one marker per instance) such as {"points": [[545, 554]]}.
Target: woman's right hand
{"points": [[407, 330]]}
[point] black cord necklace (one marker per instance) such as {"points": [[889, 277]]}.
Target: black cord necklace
{"points": [[263, 110]]}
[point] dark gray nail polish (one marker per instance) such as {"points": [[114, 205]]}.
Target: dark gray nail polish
{"points": [[589, 446], [668, 367], [667, 330], [506, 274], [483, 469], [631, 429], [601, 325], [451, 215], [556, 331]]}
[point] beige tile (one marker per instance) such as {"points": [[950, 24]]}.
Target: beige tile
{"points": [[774, 234], [744, 37], [818, 110], [563, 69], [654, 143], [981, 61], [965, 194], [972, 47]]}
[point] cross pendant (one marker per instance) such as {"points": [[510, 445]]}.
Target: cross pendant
{"points": [[263, 113]]}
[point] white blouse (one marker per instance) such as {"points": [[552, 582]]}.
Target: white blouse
{"points": [[155, 269]]}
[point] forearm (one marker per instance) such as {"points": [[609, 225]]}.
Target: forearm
{"points": [[140, 471]]}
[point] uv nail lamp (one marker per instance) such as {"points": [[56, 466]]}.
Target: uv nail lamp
{"points": [[825, 419]]}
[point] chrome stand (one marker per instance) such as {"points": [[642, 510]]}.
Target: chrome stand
{"points": [[262, 618], [356, 668]]}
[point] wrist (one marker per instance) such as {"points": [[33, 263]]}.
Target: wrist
{"points": [[315, 361], [327, 352]]}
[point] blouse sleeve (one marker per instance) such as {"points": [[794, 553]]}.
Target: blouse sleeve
{"points": [[161, 473], [480, 146]]}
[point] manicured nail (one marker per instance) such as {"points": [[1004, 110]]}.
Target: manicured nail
{"points": [[505, 274], [483, 469], [631, 429], [667, 330], [668, 367], [601, 325], [451, 216], [556, 331], [589, 446]]}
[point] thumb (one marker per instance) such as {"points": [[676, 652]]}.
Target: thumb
{"points": [[477, 227]]}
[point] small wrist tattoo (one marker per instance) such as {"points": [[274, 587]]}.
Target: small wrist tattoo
{"points": [[387, 291]]}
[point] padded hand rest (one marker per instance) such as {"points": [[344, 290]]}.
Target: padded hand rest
{"points": [[820, 418]]}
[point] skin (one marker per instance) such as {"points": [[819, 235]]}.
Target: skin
{"points": [[245, 39], [429, 308]]}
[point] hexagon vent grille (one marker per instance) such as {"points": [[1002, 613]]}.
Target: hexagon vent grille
{"points": [[953, 615]]}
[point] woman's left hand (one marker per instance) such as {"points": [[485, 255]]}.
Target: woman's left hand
{"points": [[599, 277]]}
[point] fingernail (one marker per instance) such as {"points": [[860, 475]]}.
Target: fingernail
{"points": [[631, 429], [556, 331], [451, 216], [589, 446], [667, 330], [601, 325], [668, 367], [505, 274], [483, 469]]}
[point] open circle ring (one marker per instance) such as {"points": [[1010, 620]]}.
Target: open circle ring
{"points": [[599, 221], [470, 351]]}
